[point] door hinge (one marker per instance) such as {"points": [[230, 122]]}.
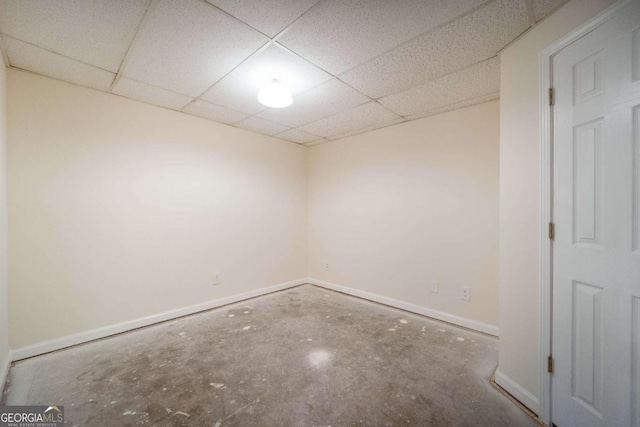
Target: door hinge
{"points": [[550, 364], [552, 230], [551, 96]]}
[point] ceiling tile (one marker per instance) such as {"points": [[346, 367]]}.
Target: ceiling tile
{"points": [[542, 8], [310, 144], [462, 104], [357, 118], [239, 89], [340, 34], [150, 94], [268, 16], [471, 39], [97, 32], [368, 128], [296, 135], [322, 101], [259, 125], [478, 80], [214, 112], [32, 58], [185, 46]]}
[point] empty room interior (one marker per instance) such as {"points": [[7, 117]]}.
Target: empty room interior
{"points": [[320, 212]]}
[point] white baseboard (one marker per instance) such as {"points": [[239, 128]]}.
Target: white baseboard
{"points": [[94, 334], [517, 391], [4, 369], [439, 315]]}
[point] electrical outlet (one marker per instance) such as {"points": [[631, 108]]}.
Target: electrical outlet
{"points": [[435, 287], [326, 266], [465, 293], [216, 278]]}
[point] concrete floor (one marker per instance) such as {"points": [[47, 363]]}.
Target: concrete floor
{"points": [[301, 357]]}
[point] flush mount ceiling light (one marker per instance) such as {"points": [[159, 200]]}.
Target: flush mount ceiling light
{"points": [[275, 95]]}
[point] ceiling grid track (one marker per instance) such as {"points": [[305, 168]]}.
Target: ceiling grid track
{"points": [[271, 41], [444, 24], [5, 36], [123, 64]]}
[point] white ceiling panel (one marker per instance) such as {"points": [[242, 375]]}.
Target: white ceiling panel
{"points": [[542, 8], [32, 58], [471, 39], [310, 144], [214, 112], [296, 135], [97, 32], [368, 128], [239, 89], [357, 118], [462, 104], [268, 16], [478, 80], [322, 101], [185, 46], [340, 34], [259, 125], [150, 94]]}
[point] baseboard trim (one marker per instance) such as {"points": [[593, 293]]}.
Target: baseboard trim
{"points": [[518, 392], [439, 315], [94, 334], [4, 370]]}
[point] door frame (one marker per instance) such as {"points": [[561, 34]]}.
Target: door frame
{"points": [[546, 190]]}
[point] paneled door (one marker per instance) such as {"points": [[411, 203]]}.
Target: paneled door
{"points": [[596, 211]]}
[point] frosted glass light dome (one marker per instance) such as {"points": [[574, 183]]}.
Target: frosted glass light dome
{"points": [[275, 95]]}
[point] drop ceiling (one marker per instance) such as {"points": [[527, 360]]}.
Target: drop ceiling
{"points": [[352, 65]]}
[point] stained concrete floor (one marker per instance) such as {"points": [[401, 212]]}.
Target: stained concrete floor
{"points": [[301, 357]]}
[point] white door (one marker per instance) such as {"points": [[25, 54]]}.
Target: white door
{"points": [[596, 211]]}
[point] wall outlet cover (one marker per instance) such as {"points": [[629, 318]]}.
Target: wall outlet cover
{"points": [[435, 287]]}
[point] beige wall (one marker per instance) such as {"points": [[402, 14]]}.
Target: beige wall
{"points": [[393, 209], [120, 210], [520, 193], [4, 331]]}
